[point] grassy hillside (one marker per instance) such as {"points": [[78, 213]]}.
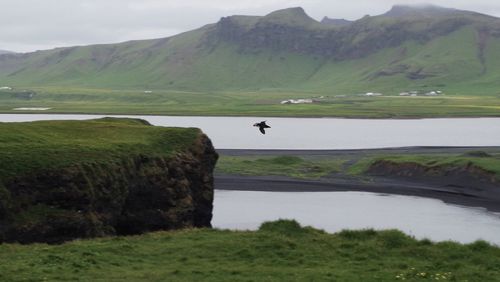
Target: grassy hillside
{"points": [[135, 63], [455, 52], [279, 251], [52, 144], [247, 65], [447, 63]]}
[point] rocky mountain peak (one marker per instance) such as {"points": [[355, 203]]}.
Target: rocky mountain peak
{"points": [[419, 10], [292, 16], [335, 22], [294, 11]]}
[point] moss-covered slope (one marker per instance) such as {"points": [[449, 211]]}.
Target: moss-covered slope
{"points": [[61, 180]]}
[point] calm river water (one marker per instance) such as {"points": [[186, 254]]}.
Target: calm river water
{"points": [[334, 211], [323, 133]]}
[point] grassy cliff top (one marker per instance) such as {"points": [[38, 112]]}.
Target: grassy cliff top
{"points": [[31, 146]]}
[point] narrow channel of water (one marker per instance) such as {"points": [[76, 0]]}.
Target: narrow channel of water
{"points": [[322, 133], [335, 211]]}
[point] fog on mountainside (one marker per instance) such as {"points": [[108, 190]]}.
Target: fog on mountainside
{"points": [[5, 52]]}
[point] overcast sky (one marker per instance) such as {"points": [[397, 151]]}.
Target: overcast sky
{"points": [[29, 25]]}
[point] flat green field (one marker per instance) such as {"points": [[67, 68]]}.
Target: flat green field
{"points": [[291, 166], [261, 103], [279, 251]]}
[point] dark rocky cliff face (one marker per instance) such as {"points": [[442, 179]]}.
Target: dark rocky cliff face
{"points": [[349, 40], [139, 194]]}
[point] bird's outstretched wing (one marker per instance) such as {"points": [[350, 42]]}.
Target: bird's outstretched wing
{"points": [[263, 124], [262, 130]]}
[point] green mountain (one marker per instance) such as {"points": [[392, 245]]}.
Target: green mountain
{"points": [[337, 22], [409, 47]]}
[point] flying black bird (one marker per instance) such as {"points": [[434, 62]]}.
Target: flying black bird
{"points": [[261, 125]]}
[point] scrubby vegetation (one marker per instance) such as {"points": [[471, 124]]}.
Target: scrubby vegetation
{"points": [[279, 251], [314, 167], [474, 159]]}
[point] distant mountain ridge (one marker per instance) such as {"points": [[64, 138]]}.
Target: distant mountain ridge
{"points": [[424, 10], [407, 47], [336, 22], [5, 52]]}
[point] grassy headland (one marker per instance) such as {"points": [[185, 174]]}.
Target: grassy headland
{"points": [[53, 144], [279, 251], [61, 180]]}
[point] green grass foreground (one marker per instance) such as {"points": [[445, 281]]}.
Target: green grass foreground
{"points": [[52, 144], [279, 251]]}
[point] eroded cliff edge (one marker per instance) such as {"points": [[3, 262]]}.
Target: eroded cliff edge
{"points": [[150, 182]]}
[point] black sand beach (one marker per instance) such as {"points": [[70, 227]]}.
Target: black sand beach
{"points": [[445, 189]]}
